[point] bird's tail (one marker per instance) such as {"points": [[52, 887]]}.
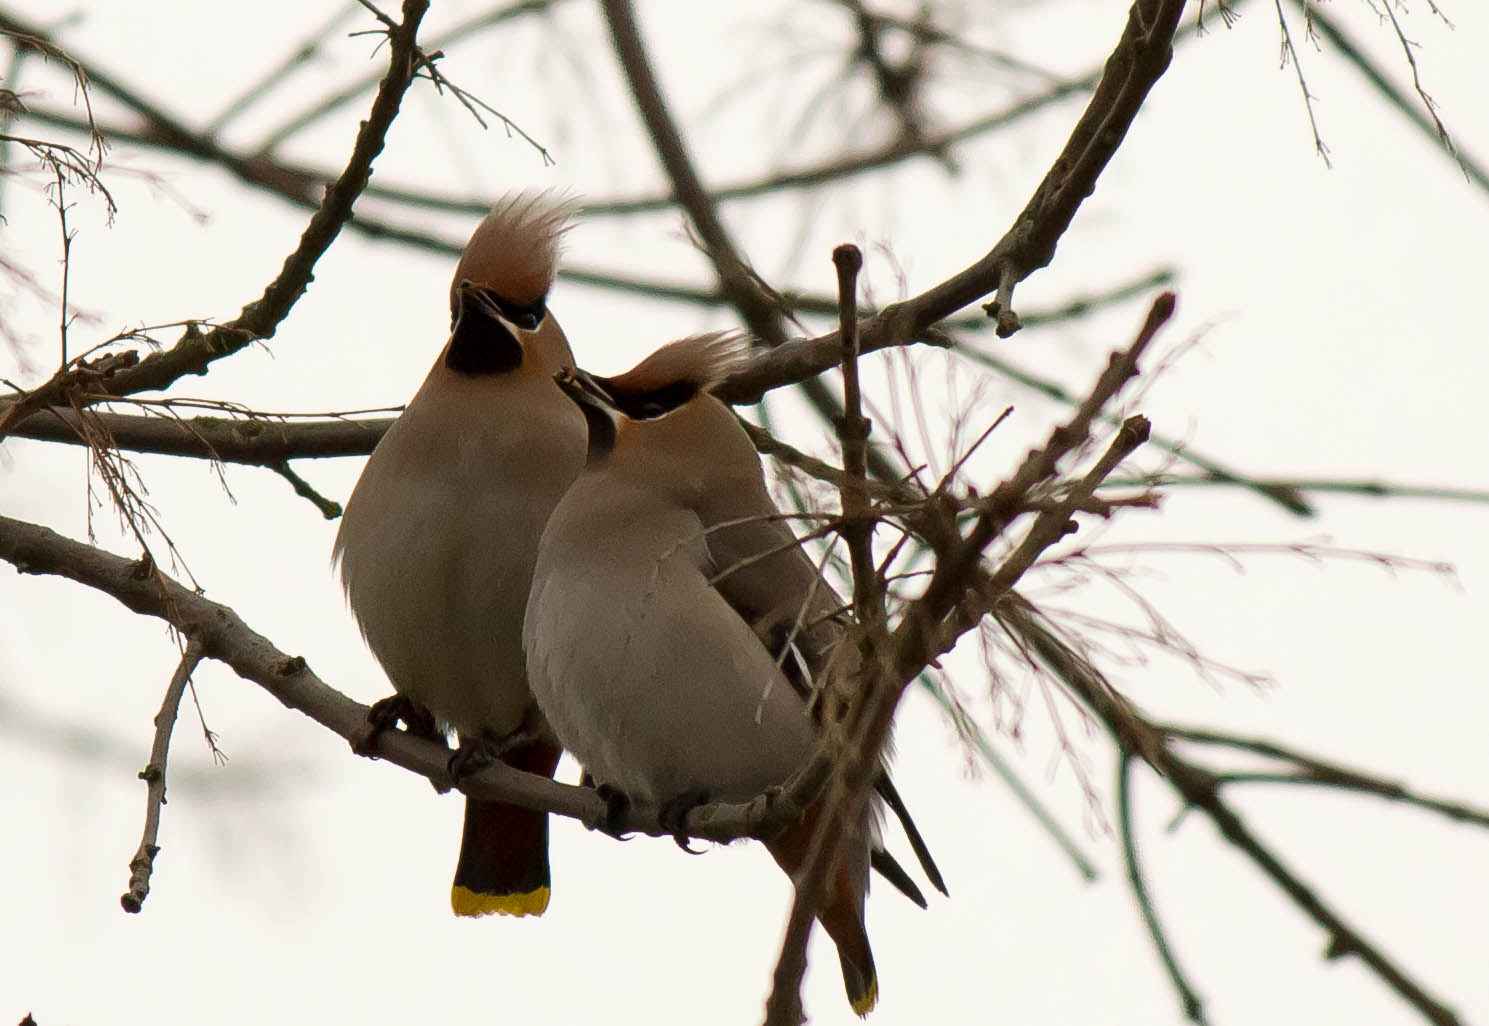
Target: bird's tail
{"points": [[841, 914], [503, 866]]}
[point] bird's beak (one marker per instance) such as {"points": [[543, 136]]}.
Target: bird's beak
{"points": [[583, 388]]}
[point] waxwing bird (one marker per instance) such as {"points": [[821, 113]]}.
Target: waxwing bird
{"points": [[763, 572], [437, 544], [644, 667]]}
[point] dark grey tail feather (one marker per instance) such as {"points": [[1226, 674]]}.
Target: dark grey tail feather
{"points": [[885, 865], [892, 798]]}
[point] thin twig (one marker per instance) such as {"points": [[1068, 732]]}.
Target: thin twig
{"points": [[61, 203], [1365, 488], [143, 863], [302, 53], [1199, 788], [1290, 56], [456, 33], [1320, 772], [1041, 463], [1340, 40], [196, 350], [1289, 499], [329, 509], [853, 433], [1194, 1009]]}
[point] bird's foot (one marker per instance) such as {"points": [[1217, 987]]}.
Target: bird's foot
{"points": [[472, 755], [673, 815], [617, 802], [385, 714]]}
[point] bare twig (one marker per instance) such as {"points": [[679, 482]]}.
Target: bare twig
{"points": [[258, 320], [891, 663], [1194, 1009], [1199, 788], [1289, 55], [1370, 489], [1416, 82], [895, 152], [1311, 770], [1040, 464], [1288, 498], [330, 510], [302, 53], [456, 33], [67, 236], [853, 432], [143, 863], [1340, 40]]}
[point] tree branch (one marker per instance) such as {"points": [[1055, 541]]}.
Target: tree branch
{"points": [[142, 588], [196, 350], [153, 775], [1320, 772], [1140, 57], [1194, 1006], [1199, 788]]}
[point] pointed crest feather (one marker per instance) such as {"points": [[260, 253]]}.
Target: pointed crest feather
{"points": [[703, 361], [514, 250]]}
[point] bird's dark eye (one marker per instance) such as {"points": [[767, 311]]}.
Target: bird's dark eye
{"points": [[525, 317], [653, 404]]}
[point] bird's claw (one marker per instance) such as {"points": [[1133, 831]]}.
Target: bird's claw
{"points": [[673, 815]]}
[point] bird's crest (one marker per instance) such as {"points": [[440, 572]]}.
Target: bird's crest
{"points": [[678, 371], [514, 250]]}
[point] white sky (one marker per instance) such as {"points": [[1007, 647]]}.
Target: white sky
{"points": [[1342, 336]]}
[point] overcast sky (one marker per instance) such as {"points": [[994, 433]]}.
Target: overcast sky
{"points": [[1339, 327]]}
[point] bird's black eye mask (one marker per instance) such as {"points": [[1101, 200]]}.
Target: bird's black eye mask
{"points": [[480, 341], [651, 404]]}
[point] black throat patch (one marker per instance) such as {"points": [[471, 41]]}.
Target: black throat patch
{"points": [[480, 341], [601, 428]]}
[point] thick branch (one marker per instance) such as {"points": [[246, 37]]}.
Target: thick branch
{"points": [[256, 441], [1140, 57], [143, 588]]}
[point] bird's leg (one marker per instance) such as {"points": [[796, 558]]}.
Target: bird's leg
{"points": [[673, 815], [385, 714]]}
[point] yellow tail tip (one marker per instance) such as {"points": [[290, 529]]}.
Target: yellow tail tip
{"points": [[466, 902], [864, 1003]]}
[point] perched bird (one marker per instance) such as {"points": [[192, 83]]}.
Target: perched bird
{"points": [[437, 544], [657, 577], [764, 573]]}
